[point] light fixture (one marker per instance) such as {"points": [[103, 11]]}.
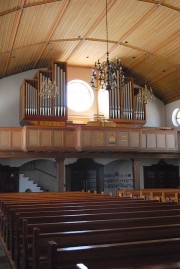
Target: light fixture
{"points": [[48, 89], [146, 95], [106, 75]]}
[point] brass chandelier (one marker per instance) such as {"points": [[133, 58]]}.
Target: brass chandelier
{"points": [[106, 75]]}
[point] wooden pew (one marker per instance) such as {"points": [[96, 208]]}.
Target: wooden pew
{"points": [[106, 255], [38, 198], [20, 203], [35, 204], [82, 203], [11, 216], [94, 237], [58, 217], [162, 195], [148, 263], [91, 225]]}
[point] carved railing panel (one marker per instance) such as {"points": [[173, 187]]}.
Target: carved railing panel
{"points": [[88, 139]]}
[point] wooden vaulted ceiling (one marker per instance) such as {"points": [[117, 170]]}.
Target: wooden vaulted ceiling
{"points": [[144, 34]]}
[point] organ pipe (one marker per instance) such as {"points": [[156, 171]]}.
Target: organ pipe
{"points": [[124, 103], [33, 104]]}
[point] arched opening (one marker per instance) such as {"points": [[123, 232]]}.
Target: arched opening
{"points": [[38, 175]]}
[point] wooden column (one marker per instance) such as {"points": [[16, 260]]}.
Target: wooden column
{"points": [[100, 179], [68, 177], [136, 174], [60, 174]]}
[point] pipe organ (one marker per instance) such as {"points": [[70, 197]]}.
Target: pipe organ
{"points": [[125, 104], [31, 97], [39, 105], [60, 107], [45, 103]]}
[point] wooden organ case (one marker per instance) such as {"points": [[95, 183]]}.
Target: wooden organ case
{"points": [[126, 104], [36, 109]]}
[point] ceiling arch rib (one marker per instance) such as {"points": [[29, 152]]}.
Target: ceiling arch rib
{"points": [[34, 31]]}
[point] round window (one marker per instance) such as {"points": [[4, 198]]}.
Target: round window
{"points": [[176, 117], [80, 96]]}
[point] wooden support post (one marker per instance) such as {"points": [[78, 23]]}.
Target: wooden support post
{"points": [[60, 174], [100, 179], [136, 174]]}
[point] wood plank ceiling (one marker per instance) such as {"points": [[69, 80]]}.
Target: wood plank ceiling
{"points": [[144, 34]]}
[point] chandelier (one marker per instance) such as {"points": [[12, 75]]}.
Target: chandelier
{"points": [[146, 95], [48, 89], [106, 75]]}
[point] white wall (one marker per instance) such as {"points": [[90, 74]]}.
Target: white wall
{"points": [[155, 114], [118, 175], [9, 98], [169, 108], [47, 174]]}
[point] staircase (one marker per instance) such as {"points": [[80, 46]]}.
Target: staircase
{"points": [[27, 183]]}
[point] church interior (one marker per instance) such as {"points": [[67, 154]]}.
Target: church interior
{"points": [[90, 131]]}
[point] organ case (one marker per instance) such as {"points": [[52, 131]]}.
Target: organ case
{"points": [[126, 104], [37, 109]]}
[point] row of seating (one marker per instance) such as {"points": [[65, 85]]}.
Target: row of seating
{"points": [[78, 229], [162, 195]]}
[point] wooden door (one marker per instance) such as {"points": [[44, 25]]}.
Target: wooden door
{"points": [[161, 176]]}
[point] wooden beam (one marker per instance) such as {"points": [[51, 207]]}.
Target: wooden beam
{"points": [[167, 41], [54, 27], [120, 155], [14, 31], [172, 99], [165, 74], [161, 3], [98, 20], [19, 7]]}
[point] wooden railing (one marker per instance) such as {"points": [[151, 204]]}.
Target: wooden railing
{"points": [[86, 138]]}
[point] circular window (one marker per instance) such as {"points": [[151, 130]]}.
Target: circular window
{"points": [[80, 96], [176, 117]]}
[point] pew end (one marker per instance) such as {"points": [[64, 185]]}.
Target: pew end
{"points": [[52, 257]]}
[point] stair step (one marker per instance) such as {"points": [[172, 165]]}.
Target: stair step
{"points": [[28, 183]]}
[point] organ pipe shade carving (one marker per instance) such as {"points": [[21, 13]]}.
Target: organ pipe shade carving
{"points": [[48, 89], [146, 94]]}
